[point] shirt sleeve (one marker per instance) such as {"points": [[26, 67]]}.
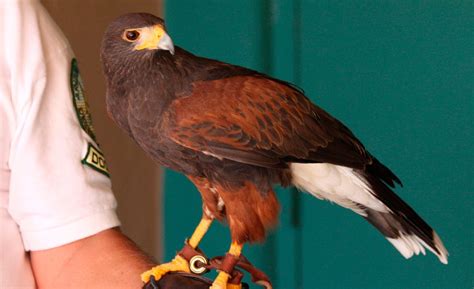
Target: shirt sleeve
{"points": [[59, 188]]}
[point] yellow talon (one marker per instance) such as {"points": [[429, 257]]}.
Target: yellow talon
{"points": [[177, 264], [221, 281]]}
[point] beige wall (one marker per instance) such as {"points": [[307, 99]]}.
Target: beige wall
{"points": [[136, 180]]}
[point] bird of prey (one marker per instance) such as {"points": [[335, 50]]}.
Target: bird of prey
{"points": [[235, 132]]}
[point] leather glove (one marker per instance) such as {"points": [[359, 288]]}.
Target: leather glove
{"points": [[177, 280]]}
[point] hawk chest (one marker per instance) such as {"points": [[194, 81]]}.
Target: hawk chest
{"points": [[117, 111]]}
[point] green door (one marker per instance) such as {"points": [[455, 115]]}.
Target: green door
{"points": [[399, 74]]}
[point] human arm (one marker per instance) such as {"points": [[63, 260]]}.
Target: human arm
{"points": [[105, 260]]}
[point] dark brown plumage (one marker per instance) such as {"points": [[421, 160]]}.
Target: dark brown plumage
{"points": [[236, 132]]}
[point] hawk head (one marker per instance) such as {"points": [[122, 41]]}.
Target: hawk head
{"points": [[134, 36]]}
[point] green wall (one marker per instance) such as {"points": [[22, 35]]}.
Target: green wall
{"points": [[399, 74]]}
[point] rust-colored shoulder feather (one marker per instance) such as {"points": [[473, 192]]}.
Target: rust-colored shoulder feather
{"points": [[259, 121]]}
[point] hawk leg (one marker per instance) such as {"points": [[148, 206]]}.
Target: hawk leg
{"points": [[179, 263], [200, 231], [232, 257]]}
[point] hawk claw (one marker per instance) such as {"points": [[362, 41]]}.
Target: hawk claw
{"points": [[153, 282], [178, 264]]}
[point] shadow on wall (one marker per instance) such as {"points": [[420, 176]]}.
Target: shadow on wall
{"points": [[136, 180]]}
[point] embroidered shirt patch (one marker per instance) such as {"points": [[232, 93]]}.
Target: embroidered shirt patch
{"points": [[95, 159], [79, 100]]}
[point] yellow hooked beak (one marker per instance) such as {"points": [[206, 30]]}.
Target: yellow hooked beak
{"points": [[154, 37]]}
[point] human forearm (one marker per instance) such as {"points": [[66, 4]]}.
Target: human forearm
{"points": [[105, 260]]}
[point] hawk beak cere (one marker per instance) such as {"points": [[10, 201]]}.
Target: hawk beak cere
{"points": [[155, 37]]}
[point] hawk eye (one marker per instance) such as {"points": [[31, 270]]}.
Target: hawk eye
{"points": [[131, 35]]}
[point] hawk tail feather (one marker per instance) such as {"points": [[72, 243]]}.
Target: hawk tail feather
{"points": [[406, 238], [400, 224], [368, 194]]}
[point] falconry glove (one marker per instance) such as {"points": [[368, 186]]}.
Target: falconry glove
{"points": [[182, 280]]}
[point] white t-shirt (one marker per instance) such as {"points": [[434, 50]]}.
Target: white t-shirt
{"points": [[54, 187]]}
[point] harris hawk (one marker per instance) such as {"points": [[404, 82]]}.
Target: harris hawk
{"points": [[235, 133]]}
